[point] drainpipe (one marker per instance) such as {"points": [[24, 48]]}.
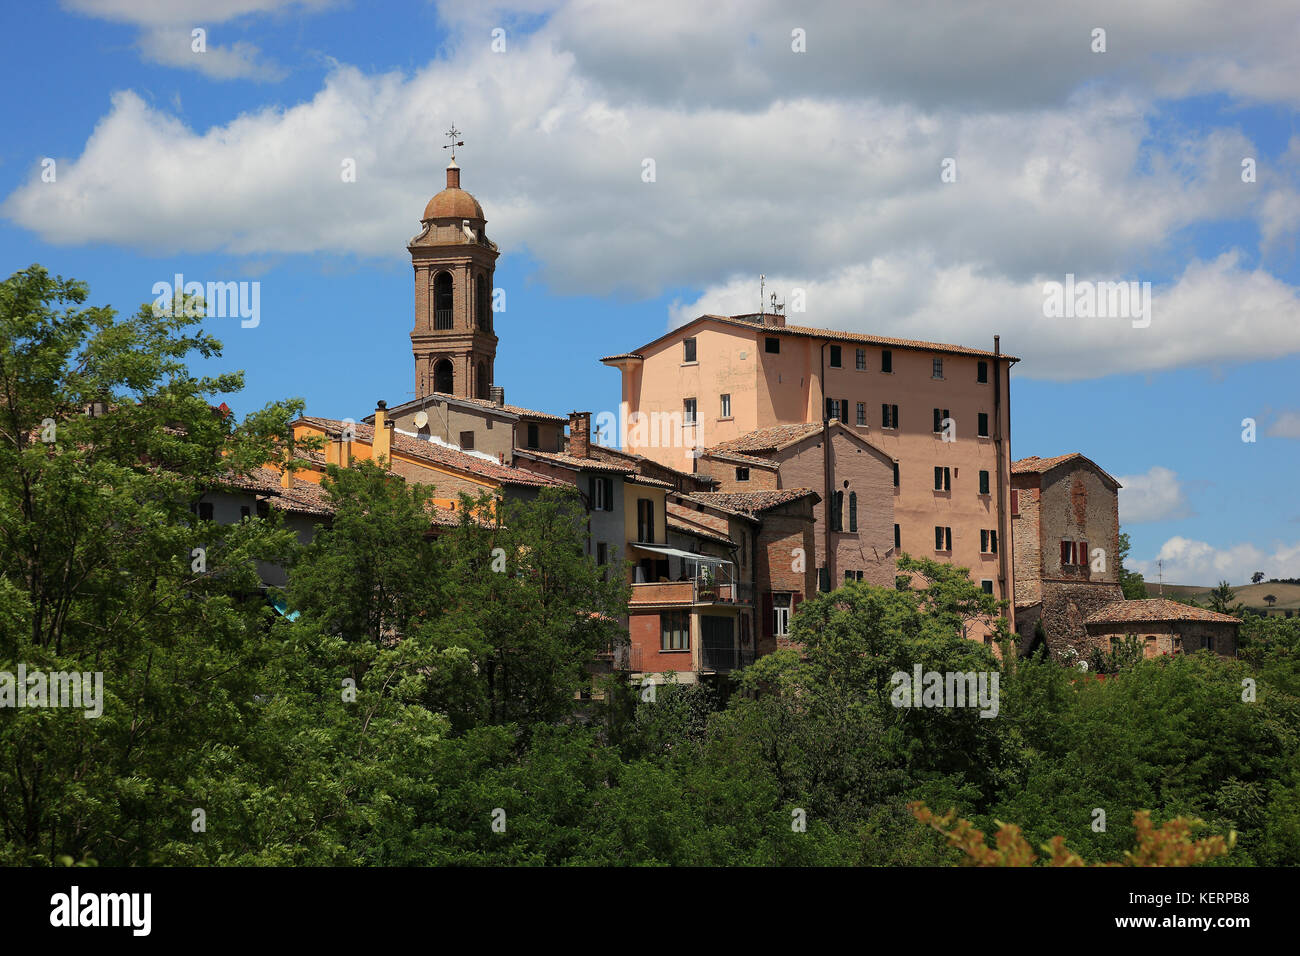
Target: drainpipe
{"points": [[1003, 506], [829, 483]]}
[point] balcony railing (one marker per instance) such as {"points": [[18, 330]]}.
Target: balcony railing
{"points": [[442, 318], [627, 657], [724, 659], [698, 590]]}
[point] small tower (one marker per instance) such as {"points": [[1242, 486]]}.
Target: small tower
{"points": [[453, 340]]}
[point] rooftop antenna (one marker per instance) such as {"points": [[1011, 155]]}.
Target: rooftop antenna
{"points": [[778, 308], [1160, 572], [762, 284], [451, 134]]}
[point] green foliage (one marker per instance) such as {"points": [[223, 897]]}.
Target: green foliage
{"points": [[1131, 582]]}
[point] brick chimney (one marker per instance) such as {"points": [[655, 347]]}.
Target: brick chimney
{"points": [[334, 452], [580, 434], [453, 176], [383, 443]]}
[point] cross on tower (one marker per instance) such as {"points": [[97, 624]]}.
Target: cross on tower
{"points": [[451, 134]]}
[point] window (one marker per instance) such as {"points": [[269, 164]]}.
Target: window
{"points": [[888, 416], [895, 474], [483, 304], [675, 630], [853, 511], [986, 585], [982, 372], [886, 361], [742, 473], [862, 413], [852, 576], [937, 368], [772, 345], [602, 553], [861, 360], [205, 511], [836, 357], [688, 416], [984, 482], [442, 301], [940, 415], [984, 425], [781, 614], [942, 478], [725, 409], [244, 512], [467, 441], [689, 349], [988, 542], [601, 492], [533, 441], [898, 538], [837, 511], [645, 519], [832, 408], [942, 538], [1074, 553]]}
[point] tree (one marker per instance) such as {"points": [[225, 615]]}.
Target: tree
{"points": [[1257, 577], [1131, 582], [1270, 599], [1222, 599]]}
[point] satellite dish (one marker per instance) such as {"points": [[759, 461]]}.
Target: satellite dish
{"points": [[421, 418]]}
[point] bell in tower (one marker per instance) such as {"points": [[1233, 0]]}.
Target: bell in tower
{"points": [[453, 340]]}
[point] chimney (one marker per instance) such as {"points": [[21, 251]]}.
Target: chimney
{"points": [[383, 443], [334, 452], [453, 176], [498, 394], [286, 479], [580, 434]]}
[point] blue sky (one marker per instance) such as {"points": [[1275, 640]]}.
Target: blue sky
{"points": [[819, 168]]}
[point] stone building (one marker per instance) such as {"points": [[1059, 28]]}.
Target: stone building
{"points": [[939, 411], [861, 503], [1065, 537], [1164, 627]]}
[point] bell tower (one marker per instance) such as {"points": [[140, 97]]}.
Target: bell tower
{"points": [[454, 342]]}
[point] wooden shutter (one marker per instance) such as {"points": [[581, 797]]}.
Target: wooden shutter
{"points": [[947, 539], [1083, 554], [609, 493], [984, 540], [768, 614], [884, 416], [1065, 553], [853, 511], [795, 602], [1015, 501]]}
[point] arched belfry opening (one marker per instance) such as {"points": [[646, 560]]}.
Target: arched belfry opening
{"points": [[443, 301], [444, 379]]}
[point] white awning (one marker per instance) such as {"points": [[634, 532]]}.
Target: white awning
{"points": [[709, 559]]}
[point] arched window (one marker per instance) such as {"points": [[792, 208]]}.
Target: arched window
{"points": [[443, 381], [483, 300], [442, 301], [482, 381]]}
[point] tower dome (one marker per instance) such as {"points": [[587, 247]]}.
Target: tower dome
{"points": [[453, 202]]}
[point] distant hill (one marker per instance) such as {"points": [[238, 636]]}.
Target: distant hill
{"points": [[1251, 595]]}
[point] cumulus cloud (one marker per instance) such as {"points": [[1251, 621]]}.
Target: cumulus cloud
{"points": [[821, 169], [1185, 561], [1286, 425], [166, 32], [1156, 495]]}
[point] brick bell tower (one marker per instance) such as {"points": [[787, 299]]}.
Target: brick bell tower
{"points": [[453, 340]]}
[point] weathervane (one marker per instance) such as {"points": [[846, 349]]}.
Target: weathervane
{"points": [[451, 134]]}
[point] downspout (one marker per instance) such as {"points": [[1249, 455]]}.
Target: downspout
{"points": [[829, 489], [1004, 542]]}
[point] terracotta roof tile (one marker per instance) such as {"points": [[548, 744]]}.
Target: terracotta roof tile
{"points": [[770, 438], [1155, 610], [751, 502], [437, 454], [1033, 465], [572, 461], [302, 497]]}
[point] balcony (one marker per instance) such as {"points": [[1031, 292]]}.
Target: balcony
{"points": [[702, 579], [721, 660], [442, 319]]}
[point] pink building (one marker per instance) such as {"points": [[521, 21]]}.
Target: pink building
{"points": [[940, 412]]}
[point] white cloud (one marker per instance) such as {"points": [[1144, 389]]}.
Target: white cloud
{"points": [[1286, 425], [1185, 561], [820, 169], [166, 27], [1154, 496]]}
